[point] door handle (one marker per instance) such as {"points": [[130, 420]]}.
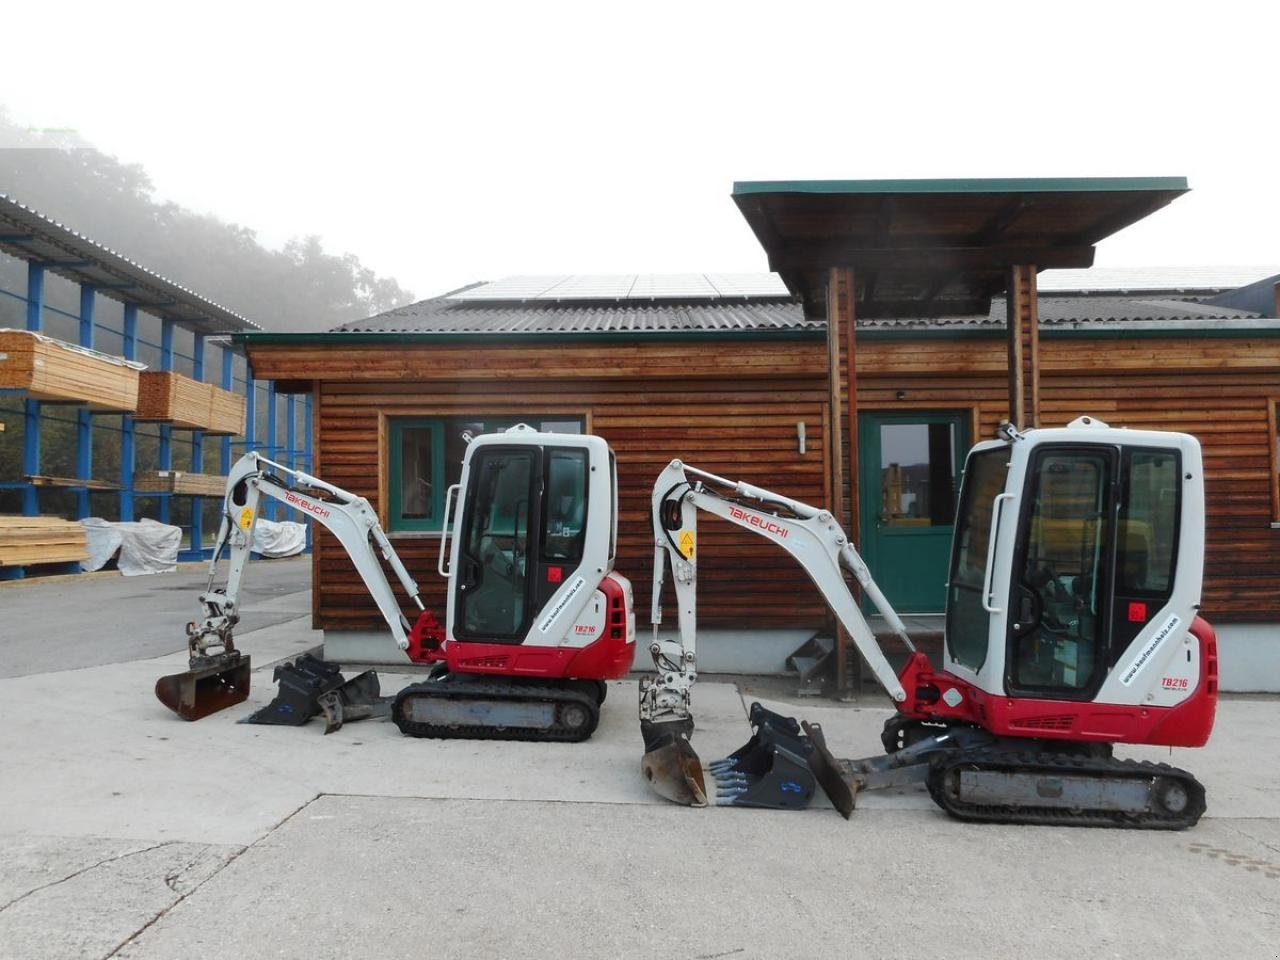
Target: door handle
{"points": [[988, 582]]}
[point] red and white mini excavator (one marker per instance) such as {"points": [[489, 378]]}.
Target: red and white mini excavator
{"points": [[1071, 626], [536, 618]]}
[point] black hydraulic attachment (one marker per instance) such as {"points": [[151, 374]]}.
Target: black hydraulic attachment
{"points": [[309, 686], [771, 769]]}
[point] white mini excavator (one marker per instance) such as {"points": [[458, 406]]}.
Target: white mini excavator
{"points": [[1071, 625], [536, 618]]}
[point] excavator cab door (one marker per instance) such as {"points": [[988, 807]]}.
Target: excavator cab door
{"points": [[534, 531]]}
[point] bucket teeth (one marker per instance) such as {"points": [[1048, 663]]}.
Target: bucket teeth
{"points": [[770, 770]]}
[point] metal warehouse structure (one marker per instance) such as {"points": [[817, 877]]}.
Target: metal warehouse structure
{"points": [[82, 292]]}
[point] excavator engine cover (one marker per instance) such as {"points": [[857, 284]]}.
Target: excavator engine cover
{"points": [[204, 690], [770, 770]]}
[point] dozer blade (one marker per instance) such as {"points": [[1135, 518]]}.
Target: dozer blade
{"points": [[771, 770], [205, 690], [670, 763]]}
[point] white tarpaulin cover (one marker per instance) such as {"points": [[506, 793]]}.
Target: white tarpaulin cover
{"points": [[145, 546], [279, 539]]}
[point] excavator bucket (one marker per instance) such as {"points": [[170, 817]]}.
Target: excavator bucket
{"points": [[770, 770], [670, 763], [301, 685], [201, 691]]}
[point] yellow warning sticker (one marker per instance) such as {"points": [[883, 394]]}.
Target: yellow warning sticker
{"points": [[246, 518], [687, 544]]}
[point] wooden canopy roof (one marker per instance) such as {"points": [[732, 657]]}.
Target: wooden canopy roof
{"points": [[937, 247]]}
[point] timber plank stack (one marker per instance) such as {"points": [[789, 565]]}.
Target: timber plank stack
{"points": [[54, 371], [168, 397], [226, 413], [181, 483], [25, 541]]}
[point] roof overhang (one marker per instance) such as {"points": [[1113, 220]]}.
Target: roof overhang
{"points": [[30, 236], [937, 247]]}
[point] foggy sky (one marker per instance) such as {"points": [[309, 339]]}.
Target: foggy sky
{"points": [[457, 142]]}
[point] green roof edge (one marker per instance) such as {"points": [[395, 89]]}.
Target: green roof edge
{"points": [[978, 185]]}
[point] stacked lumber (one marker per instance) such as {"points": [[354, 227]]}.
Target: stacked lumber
{"points": [[167, 397], [181, 483], [226, 414], [55, 371], [30, 540]]}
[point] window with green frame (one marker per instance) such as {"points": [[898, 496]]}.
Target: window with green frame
{"points": [[425, 459]]}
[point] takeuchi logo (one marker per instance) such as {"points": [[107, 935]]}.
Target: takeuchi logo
{"points": [[302, 503], [762, 523]]}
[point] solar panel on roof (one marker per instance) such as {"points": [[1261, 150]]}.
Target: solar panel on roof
{"points": [[603, 286], [628, 286], [748, 284], [512, 288], [656, 286]]}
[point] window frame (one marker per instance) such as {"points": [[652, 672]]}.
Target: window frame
{"points": [[391, 422], [1273, 445], [395, 506]]}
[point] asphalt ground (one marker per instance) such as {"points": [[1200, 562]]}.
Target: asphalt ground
{"points": [[125, 832]]}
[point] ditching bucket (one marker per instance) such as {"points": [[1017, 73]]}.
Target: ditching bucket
{"points": [[770, 770], [670, 764], [205, 690]]}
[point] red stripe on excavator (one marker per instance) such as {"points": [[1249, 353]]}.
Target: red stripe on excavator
{"points": [[1187, 724]]}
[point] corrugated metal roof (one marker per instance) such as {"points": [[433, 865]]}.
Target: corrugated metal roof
{"points": [[1189, 281], [30, 235], [450, 314]]}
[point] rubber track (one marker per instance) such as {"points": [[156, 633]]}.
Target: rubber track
{"points": [[454, 689], [1004, 760]]}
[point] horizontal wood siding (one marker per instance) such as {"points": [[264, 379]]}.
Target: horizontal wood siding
{"points": [[732, 408], [697, 405]]}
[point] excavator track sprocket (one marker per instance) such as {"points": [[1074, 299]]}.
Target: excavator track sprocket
{"points": [[456, 707], [998, 785]]}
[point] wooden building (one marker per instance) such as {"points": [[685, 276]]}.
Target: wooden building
{"points": [[906, 325]]}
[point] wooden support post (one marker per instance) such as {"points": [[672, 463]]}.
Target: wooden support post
{"points": [[844, 401], [1023, 315]]}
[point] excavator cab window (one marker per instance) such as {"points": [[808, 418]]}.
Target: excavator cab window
{"points": [[1060, 597], [565, 506]]}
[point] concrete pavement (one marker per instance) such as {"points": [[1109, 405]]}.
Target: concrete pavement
{"points": [[127, 832]]}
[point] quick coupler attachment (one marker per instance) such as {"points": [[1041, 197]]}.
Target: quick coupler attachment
{"points": [[302, 683], [357, 699], [771, 770]]}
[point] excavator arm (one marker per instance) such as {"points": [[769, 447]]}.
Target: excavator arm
{"points": [[219, 674], [809, 534]]}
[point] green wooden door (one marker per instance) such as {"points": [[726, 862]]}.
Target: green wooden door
{"points": [[909, 477]]}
